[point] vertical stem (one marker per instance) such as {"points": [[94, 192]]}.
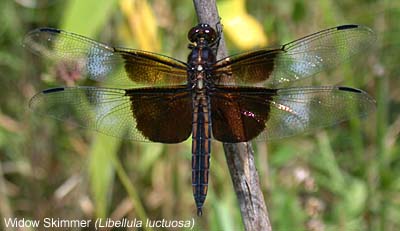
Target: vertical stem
{"points": [[239, 156], [382, 154], [5, 208]]}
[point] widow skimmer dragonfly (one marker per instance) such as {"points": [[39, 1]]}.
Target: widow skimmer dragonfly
{"points": [[235, 99]]}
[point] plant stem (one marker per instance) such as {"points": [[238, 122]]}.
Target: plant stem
{"points": [[239, 156]]}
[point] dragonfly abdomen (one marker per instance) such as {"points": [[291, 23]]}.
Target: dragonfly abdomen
{"points": [[201, 148]]}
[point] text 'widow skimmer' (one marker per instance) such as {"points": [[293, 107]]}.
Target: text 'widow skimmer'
{"points": [[235, 99]]}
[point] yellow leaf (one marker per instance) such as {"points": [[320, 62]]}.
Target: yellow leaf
{"points": [[240, 27], [142, 23]]}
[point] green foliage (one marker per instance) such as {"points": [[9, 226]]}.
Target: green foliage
{"points": [[77, 19]]}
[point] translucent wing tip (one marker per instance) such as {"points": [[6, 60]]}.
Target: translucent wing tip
{"points": [[36, 40], [35, 101], [369, 102], [370, 35]]}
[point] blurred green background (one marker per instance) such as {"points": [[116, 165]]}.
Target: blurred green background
{"points": [[344, 177]]}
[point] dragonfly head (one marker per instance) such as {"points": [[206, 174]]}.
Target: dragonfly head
{"points": [[202, 33]]}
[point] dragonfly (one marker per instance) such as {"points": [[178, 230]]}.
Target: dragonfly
{"points": [[145, 96]]}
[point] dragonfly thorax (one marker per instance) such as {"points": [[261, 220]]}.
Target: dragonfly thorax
{"points": [[200, 62]]}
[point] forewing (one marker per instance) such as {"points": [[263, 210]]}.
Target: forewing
{"points": [[296, 60], [99, 62]]}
